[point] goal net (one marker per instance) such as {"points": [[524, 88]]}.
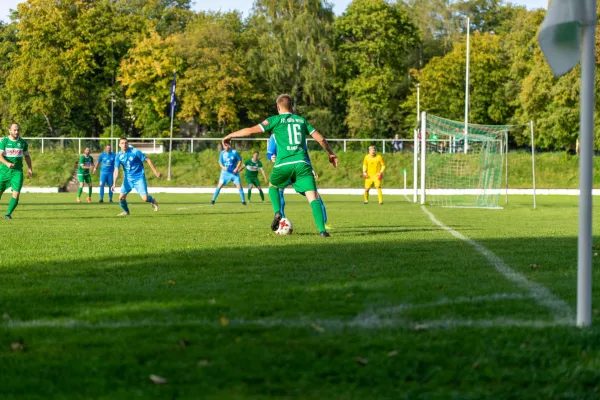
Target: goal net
{"points": [[455, 177]]}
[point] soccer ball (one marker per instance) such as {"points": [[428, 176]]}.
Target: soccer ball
{"points": [[285, 227]]}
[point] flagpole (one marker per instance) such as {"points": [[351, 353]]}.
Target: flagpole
{"points": [[171, 133], [586, 133], [467, 85]]}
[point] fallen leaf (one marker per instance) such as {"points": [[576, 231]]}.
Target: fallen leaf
{"points": [[317, 328], [353, 276], [212, 301], [159, 380], [5, 316], [238, 339], [476, 365], [17, 346], [534, 266], [361, 361], [204, 363], [224, 321], [170, 282], [392, 353], [184, 343]]}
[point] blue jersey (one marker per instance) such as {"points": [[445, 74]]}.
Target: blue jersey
{"points": [[272, 149], [229, 159], [132, 161], [108, 162]]}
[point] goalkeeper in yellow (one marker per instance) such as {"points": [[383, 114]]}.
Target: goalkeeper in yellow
{"points": [[373, 167]]}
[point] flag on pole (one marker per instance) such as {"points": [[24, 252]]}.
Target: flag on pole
{"points": [[560, 33], [173, 96], [567, 35]]}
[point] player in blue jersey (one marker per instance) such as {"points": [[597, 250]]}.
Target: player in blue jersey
{"points": [[134, 176], [107, 159], [230, 162], [272, 155]]}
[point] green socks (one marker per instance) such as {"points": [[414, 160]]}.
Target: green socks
{"points": [[317, 214], [12, 204], [90, 191], [249, 194], [79, 192], [274, 196], [262, 195]]}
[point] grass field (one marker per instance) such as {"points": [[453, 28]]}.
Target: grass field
{"points": [[396, 304]]}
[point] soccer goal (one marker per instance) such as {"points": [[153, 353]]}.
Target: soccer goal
{"points": [[462, 167]]}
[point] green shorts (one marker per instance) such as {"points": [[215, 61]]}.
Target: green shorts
{"points": [[299, 175], [11, 177], [253, 180], [84, 178]]}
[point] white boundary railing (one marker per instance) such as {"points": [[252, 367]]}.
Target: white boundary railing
{"points": [[384, 145]]}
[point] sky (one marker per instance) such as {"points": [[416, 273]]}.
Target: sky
{"points": [[245, 5]]}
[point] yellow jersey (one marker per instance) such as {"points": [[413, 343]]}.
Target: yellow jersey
{"points": [[373, 165]]}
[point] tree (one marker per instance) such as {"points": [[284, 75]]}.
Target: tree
{"points": [[67, 62], [374, 40], [292, 50], [216, 89], [146, 74], [443, 83]]}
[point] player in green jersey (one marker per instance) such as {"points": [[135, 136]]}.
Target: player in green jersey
{"points": [[13, 149], [252, 166], [84, 176], [290, 131]]}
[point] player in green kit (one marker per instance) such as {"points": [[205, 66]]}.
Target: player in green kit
{"points": [[252, 166], [290, 132], [84, 176], [12, 150]]}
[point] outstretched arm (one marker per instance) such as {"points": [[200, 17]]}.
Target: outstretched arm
{"points": [[115, 176], [323, 142], [151, 164], [243, 133], [29, 167]]}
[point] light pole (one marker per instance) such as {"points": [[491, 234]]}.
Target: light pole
{"points": [[112, 113], [418, 86]]}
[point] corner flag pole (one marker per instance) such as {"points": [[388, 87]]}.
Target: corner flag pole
{"points": [[566, 22], [467, 85], [586, 161], [173, 105]]}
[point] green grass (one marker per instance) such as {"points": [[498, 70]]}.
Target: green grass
{"points": [[553, 170], [52, 169], [100, 303]]}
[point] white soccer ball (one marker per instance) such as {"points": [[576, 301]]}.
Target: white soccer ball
{"points": [[285, 227]]}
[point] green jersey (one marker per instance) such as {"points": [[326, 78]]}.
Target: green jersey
{"points": [[87, 161], [13, 151], [290, 132], [252, 168]]}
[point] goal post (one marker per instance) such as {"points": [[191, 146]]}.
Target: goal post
{"points": [[460, 173]]}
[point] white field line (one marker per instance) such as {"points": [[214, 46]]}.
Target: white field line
{"points": [[189, 208], [459, 300], [561, 310], [370, 322]]}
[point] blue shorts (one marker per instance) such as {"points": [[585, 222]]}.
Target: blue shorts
{"points": [[227, 177], [139, 185], [106, 178]]}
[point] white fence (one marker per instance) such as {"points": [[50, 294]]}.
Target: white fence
{"points": [[158, 145]]}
